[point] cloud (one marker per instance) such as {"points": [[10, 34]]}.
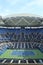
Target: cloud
{"points": [[7, 10], [27, 6], [22, 6], [13, 2], [39, 2], [0, 7], [32, 5]]}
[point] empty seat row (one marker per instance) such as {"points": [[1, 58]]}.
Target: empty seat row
{"points": [[19, 45], [22, 36], [24, 45], [21, 61]]}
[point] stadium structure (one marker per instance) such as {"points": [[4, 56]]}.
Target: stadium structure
{"points": [[21, 40]]}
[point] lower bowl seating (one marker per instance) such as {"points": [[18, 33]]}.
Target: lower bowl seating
{"points": [[21, 40]]}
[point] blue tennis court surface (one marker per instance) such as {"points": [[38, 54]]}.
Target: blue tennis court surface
{"points": [[23, 53]]}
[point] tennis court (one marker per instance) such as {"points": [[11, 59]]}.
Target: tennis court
{"points": [[22, 54]]}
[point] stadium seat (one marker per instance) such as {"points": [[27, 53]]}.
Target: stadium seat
{"points": [[30, 61], [8, 61], [1, 60], [23, 61], [15, 61], [37, 60]]}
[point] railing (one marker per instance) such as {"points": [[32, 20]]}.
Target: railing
{"points": [[20, 64]]}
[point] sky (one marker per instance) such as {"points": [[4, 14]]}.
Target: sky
{"points": [[8, 7]]}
